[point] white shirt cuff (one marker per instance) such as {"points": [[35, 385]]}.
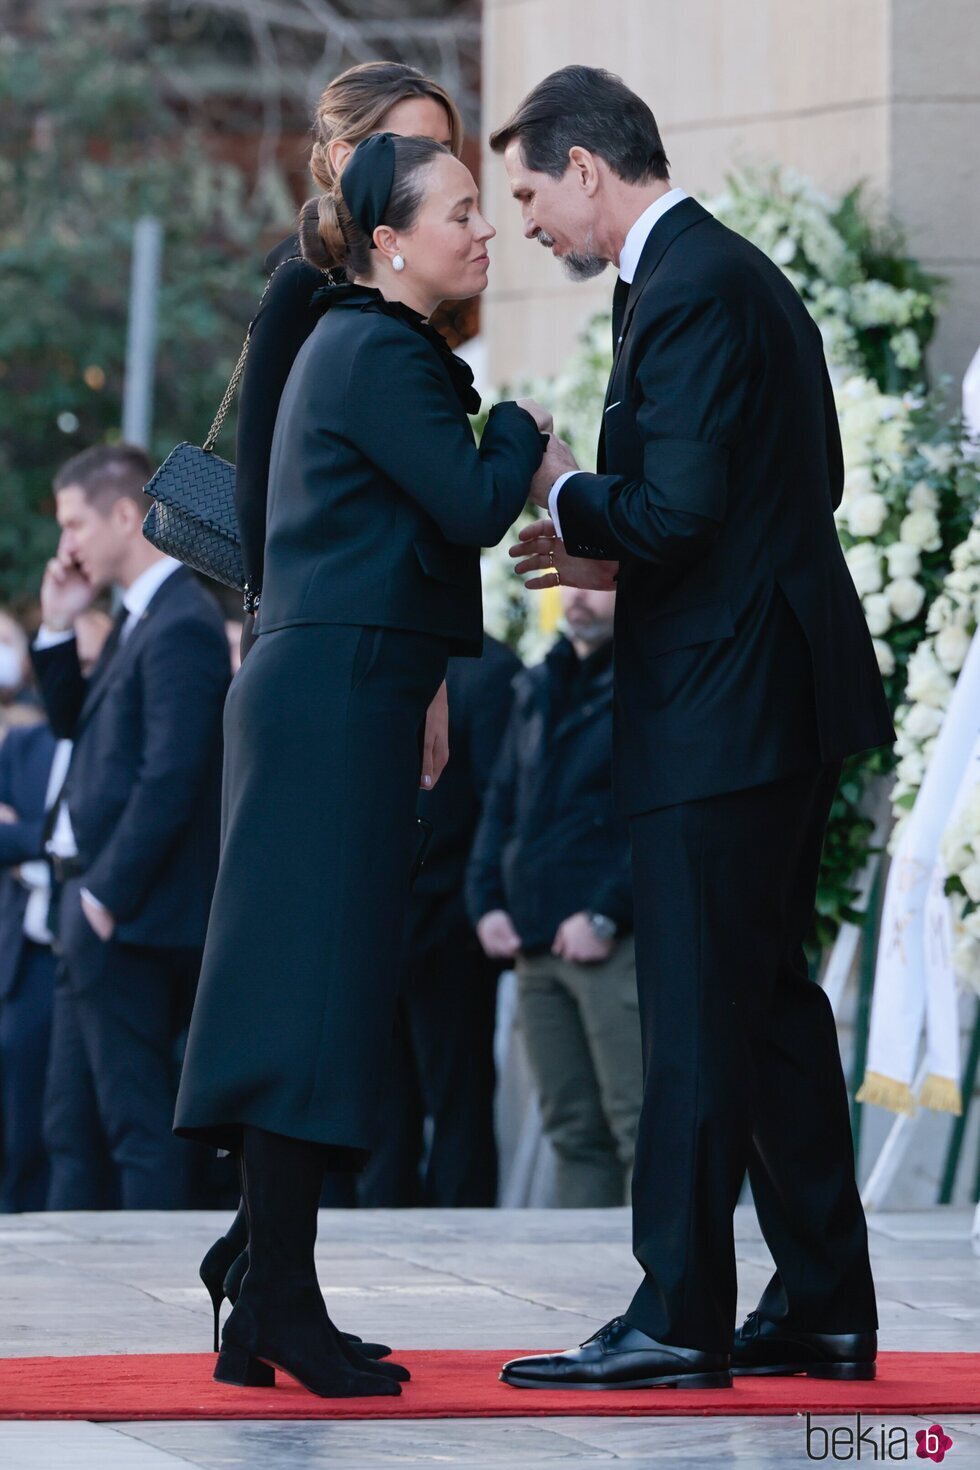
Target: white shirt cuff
{"points": [[51, 637], [553, 500]]}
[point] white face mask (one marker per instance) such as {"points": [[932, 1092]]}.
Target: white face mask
{"points": [[11, 667]]}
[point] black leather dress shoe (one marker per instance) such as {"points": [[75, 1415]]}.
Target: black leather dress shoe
{"points": [[762, 1346], [620, 1356]]}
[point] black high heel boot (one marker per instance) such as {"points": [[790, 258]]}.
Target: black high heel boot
{"points": [[371, 1350], [219, 1261], [280, 1319]]}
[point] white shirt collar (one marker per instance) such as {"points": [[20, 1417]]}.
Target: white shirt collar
{"points": [[140, 593], [640, 233]]}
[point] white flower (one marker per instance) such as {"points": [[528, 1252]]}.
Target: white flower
{"points": [[921, 529], [971, 923], [903, 561], [923, 497], [911, 769], [952, 646], [784, 250], [885, 657], [966, 961], [922, 722], [867, 514], [906, 598], [970, 878], [939, 457], [928, 681], [877, 610], [864, 564], [858, 480]]}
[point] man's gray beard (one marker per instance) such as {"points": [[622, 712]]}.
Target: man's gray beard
{"points": [[578, 266]]}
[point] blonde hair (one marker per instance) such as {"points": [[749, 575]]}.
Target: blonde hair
{"points": [[357, 102]]}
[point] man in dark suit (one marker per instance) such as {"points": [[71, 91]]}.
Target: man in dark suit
{"points": [[133, 835], [32, 769], [744, 675], [443, 1066]]}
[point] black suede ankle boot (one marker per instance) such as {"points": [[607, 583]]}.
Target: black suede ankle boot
{"points": [[280, 1319]]}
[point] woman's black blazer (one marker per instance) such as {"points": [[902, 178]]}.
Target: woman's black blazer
{"points": [[379, 499]]}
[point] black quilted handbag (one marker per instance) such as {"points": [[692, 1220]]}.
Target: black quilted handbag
{"points": [[193, 515]]}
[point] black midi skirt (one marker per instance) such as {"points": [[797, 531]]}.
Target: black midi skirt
{"points": [[296, 1001]]}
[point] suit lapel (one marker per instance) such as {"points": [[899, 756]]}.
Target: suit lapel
{"points": [[125, 653], [667, 229]]}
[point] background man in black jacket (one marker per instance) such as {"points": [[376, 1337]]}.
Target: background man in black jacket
{"points": [[443, 1067], [548, 887], [744, 674], [32, 768], [132, 837]]}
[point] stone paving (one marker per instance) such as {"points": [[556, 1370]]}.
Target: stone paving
{"points": [[107, 1283]]}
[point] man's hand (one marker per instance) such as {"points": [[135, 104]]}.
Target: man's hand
{"points": [[65, 593], [7, 815], [541, 415], [435, 753], [541, 549], [99, 918], [558, 460], [498, 936], [576, 940]]}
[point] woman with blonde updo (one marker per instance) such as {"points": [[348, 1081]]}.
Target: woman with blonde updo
{"points": [[379, 502]]}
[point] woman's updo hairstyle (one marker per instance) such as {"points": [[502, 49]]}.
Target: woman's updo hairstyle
{"points": [[327, 226], [353, 107]]}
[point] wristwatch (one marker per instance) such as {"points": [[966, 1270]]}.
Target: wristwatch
{"points": [[602, 926]]}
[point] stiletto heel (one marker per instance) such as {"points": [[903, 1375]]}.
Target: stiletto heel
{"points": [[237, 1366], [213, 1269]]}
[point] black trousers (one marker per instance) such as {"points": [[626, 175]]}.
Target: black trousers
{"points": [[742, 1070], [442, 1070], [111, 1082], [25, 1036]]}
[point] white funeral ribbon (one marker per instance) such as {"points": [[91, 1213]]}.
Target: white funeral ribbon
{"points": [[914, 980]]}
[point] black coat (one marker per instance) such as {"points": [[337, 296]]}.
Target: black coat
{"points": [[742, 651], [281, 325], [379, 500], [549, 843], [144, 785], [26, 754], [480, 696]]}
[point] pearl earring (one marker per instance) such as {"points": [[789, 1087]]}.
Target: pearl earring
{"points": [[398, 264]]}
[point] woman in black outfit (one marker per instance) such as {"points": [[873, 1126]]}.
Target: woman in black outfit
{"points": [[378, 96], [379, 502]]}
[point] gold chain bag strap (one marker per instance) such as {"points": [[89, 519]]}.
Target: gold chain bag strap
{"points": [[193, 514]]}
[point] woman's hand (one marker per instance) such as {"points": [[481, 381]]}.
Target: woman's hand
{"points": [[435, 753], [542, 550], [541, 415]]}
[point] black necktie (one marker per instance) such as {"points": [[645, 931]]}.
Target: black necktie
{"points": [[620, 295]]}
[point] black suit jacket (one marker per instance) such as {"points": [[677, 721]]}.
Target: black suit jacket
{"points": [[379, 499], [26, 754], [549, 843], [144, 785], [480, 696], [743, 654]]}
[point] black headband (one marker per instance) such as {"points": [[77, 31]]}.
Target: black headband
{"points": [[367, 180]]}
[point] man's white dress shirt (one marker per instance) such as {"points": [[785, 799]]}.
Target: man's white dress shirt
{"points": [[629, 259], [136, 599]]}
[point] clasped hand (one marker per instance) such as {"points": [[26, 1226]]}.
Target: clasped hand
{"points": [[540, 548]]}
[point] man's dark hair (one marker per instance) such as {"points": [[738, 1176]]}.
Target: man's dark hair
{"points": [[585, 107], [107, 473]]}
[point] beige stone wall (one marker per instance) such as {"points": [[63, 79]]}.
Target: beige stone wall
{"points": [[886, 90]]}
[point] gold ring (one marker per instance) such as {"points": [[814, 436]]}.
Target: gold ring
{"points": [[551, 557]]}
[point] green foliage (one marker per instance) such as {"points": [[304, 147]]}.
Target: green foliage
{"points": [[90, 142]]}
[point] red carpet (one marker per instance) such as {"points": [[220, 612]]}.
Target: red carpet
{"points": [[457, 1385]]}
